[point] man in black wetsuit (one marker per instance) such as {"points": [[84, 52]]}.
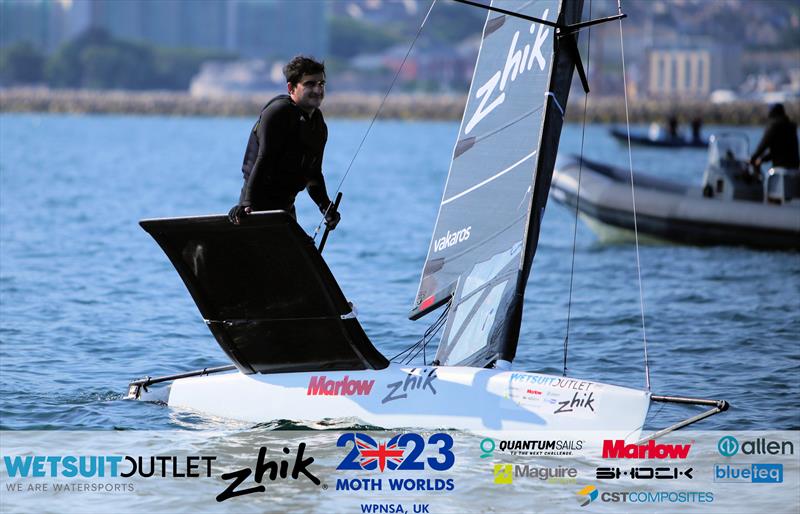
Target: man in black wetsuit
{"points": [[779, 143], [284, 152]]}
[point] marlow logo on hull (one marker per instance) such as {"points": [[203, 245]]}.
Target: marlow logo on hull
{"points": [[345, 387], [517, 62]]}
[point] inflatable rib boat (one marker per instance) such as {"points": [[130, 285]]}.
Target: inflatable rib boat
{"points": [[734, 205]]}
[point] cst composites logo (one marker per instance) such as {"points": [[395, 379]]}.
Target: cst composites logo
{"points": [[403, 452], [590, 493], [728, 446]]}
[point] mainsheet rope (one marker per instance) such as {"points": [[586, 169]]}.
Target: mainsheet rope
{"points": [[633, 198], [578, 194], [377, 112]]}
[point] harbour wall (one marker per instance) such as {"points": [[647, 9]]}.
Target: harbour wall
{"points": [[355, 105]]}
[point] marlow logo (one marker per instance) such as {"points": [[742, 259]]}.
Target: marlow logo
{"points": [[517, 61], [619, 450], [587, 495], [345, 387], [451, 239]]}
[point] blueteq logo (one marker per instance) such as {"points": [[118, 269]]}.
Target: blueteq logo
{"points": [[752, 473], [403, 452]]}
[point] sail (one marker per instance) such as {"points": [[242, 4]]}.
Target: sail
{"points": [[265, 293], [487, 229]]}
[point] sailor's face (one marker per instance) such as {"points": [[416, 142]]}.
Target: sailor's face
{"points": [[308, 92]]}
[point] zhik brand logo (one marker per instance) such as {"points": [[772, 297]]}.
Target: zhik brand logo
{"points": [[273, 470], [619, 450], [414, 381], [451, 239], [321, 386], [728, 446], [749, 473], [403, 452], [517, 62], [587, 495]]}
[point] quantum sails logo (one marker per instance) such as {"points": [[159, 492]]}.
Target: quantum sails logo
{"points": [[410, 452], [531, 447]]}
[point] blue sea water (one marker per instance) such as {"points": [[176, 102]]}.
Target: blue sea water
{"points": [[88, 301]]}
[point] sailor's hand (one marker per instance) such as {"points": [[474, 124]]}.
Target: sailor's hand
{"points": [[237, 212], [332, 216]]}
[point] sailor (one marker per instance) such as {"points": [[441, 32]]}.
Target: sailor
{"points": [[284, 152], [697, 125], [779, 142]]}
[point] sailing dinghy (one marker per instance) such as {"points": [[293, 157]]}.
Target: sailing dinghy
{"points": [[299, 351]]}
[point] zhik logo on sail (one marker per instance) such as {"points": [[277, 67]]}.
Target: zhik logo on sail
{"points": [[517, 62]]}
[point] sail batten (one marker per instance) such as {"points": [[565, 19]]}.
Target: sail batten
{"points": [[487, 228]]}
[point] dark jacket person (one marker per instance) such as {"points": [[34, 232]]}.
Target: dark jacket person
{"points": [[286, 145], [779, 143]]}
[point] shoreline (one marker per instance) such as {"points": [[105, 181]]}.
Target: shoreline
{"points": [[439, 107]]}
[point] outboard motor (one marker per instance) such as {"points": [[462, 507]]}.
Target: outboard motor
{"points": [[729, 175], [782, 185]]}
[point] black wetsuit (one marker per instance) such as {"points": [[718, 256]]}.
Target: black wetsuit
{"points": [[283, 157], [779, 144]]}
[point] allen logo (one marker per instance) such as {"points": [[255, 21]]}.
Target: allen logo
{"points": [[619, 450]]}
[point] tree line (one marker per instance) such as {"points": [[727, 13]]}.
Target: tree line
{"points": [[95, 59]]}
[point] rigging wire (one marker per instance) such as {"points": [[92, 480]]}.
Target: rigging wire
{"points": [[578, 194], [633, 199], [410, 353], [377, 112]]}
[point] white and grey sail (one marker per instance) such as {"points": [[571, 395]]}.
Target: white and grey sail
{"points": [[487, 229]]}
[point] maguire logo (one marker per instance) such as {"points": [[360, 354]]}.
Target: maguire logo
{"points": [[403, 452], [587, 495], [345, 387], [451, 239], [619, 450], [503, 474], [517, 62], [729, 446]]}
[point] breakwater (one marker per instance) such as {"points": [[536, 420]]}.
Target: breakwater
{"points": [[364, 105]]}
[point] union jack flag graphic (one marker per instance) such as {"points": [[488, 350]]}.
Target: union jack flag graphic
{"points": [[372, 454]]}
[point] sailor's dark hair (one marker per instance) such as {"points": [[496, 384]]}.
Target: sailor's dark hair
{"points": [[301, 65]]}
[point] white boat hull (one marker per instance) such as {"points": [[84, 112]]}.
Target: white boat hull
{"points": [[463, 398]]}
